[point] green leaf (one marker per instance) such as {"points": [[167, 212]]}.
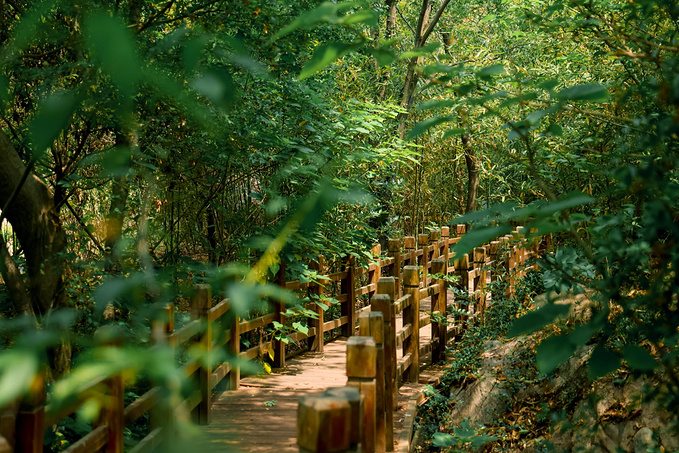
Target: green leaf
{"points": [[537, 319], [420, 51], [429, 105], [298, 326], [327, 12], [602, 362], [423, 126], [54, 114], [455, 132], [444, 440], [488, 71], [365, 16], [589, 92], [115, 49], [383, 57], [639, 358], [324, 55], [479, 236], [568, 201], [552, 352], [17, 369]]}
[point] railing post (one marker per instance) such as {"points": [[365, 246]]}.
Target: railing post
{"points": [[439, 304], [161, 415], [395, 252], [234, 351], [361, 371], [382, 303], [353, 396], [434, 237], [372, 325], [445, 238], [200, 305], [323, 424], [316, 342], [374, 276], [409, 242], [411, 315], [462, 267], [114, 403], [480, 279], [348, 308], [422, 243], [30, 421], [279, 307]]}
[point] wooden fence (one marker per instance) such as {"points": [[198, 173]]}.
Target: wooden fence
{"points": [[415, 268], [342, 418]]}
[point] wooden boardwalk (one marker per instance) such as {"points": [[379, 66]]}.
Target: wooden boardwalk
{"points": [[261, 416]]}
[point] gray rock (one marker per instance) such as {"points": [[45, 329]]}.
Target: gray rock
{"points": [[643, 440]]}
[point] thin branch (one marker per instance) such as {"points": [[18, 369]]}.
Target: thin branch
{"points": [[405, 20], [434, 21], [82, 224]]}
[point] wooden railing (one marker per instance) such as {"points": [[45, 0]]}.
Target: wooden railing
{"points": [[330, 421], [412, 270]]}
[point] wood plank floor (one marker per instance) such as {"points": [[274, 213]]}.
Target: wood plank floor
{"points": [[261, 416]]}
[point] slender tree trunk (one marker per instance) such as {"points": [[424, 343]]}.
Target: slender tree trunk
{"points": [[472, 172], [116, 212]]}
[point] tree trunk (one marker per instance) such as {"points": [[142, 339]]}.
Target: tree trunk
{"points": [[31, 212], [472, 172]]}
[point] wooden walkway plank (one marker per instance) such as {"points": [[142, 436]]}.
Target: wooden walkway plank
{"points": [[261, 416]]}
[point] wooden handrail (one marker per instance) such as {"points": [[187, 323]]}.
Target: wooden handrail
{"points": [[400, 292]]}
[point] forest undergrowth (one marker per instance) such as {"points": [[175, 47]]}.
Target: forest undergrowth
{"points": [[492, 397]]}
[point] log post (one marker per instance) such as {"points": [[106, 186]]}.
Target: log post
{"points": [[410, 249], [361, 371], [280, 308], [316, 343], [30, 421], [439, 304], [113, 414], [162, 416], [395, 252], [374, 276], [445, 238], [348, 309], [372, 325], [434, 241], [462, 268], [387, 286], [200, 305], [353, 396], [234, 351], [422, 243], [382, 303], [323, 424], [411, 315], [460, 229], [480, 279]]}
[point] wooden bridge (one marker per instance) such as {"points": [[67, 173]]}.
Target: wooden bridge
{"points": [[418, 316]]}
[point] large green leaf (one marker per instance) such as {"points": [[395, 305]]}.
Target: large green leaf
{"points": [[602, 362], [324, 55], [479, 236], [115, 50], [588, 92], [53, 116], [328, 12], [537, 319], [552, 352], [423, 126], [639, 358]]}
